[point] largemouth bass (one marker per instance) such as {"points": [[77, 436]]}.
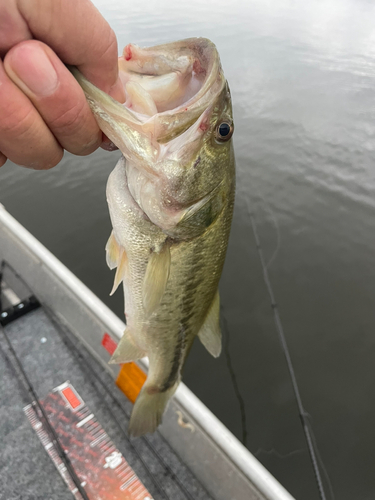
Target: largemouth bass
{"points": [[170, 199]]}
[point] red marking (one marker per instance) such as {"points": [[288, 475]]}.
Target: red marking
{"points": [[198, 68], [204, 125], [63, 417], [71, 397], [109, 344], [186, 109], [128, 52]]}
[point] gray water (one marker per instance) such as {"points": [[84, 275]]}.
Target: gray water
{"points": [[302, 76]]}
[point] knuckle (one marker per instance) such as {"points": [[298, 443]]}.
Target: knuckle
{"points": [[76, 129], [109, 49], [69, 121], [16, 121], [111, 46]]}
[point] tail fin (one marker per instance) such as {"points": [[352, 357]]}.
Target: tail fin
{"points": [[148, 410]]}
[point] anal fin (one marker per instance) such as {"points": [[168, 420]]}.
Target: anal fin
{"points": [[210, 334], [121, 270], [127, 350], [156, 277]]}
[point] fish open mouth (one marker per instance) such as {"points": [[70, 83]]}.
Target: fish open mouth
{"points": [[168, 87], [171, 90], [155, 83]]}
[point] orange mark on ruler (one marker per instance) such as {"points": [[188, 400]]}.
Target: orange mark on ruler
{"points": [[130, 380]]}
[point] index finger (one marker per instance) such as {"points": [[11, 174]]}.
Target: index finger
{"points": [[77, 33]]}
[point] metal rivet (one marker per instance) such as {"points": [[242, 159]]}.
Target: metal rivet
{"points": [[21, 306], [4, 315]]}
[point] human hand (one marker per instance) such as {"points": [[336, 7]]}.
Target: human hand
{"points": [[43, 110]]}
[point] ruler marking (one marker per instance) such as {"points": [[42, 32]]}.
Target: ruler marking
{"points": [[124, 473], [111, 449], [98, 432], [83, 412], [137, 491], [139, 487], [97, 440], [129, 475], [124, 464], [125, 485], [92, 425], [104, 443], [85, 420], [94, 428], [141, 495]]}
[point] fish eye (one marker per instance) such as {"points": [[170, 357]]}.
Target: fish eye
{"points": [[224, 131]]}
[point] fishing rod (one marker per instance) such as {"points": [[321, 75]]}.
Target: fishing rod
{"points": [[233, 376], [279, 327]]}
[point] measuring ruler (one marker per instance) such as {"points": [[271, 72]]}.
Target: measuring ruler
{"points": [[103, 471]]}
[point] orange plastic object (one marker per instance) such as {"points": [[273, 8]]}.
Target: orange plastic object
{"points": [[130, 380]]}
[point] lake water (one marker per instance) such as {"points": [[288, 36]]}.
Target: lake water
{"points": [[302, 76]]}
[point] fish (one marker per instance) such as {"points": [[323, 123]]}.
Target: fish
{"points": [[170, 199]]}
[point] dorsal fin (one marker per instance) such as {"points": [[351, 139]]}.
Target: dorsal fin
{"points": [[156, 277], [210, 334]]}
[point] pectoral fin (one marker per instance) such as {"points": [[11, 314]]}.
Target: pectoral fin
{"points": [[127, 350], [121, 270], [210, 334], [156, 278]]}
